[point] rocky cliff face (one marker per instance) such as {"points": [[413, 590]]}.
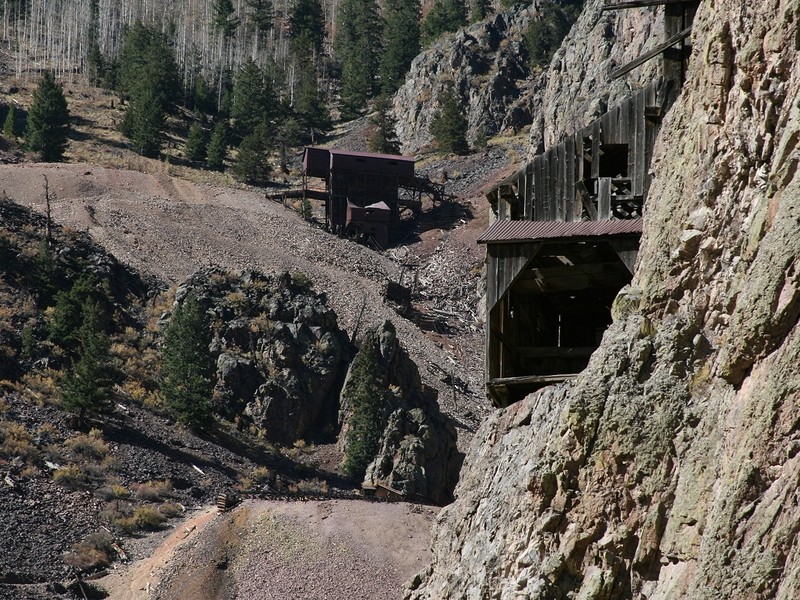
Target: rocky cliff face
{"points": [[670, 467], [487, 62], [281, 356], [417, 453]]}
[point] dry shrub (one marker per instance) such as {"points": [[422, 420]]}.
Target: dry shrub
{"points": [[92, 552], [143, 518], [310, 486], [114, 491], [88, 445], [153, 491], [15, 441], [47, 433], [41, 387], [170, 510], [72, 477], [257, 478]]}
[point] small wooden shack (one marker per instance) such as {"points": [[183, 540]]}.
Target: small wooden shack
{"points": [[565, 230]]}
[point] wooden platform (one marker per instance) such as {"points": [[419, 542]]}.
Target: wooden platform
{"points": [[505, 391]]}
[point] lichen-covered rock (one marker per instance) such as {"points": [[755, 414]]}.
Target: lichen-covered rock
{"points": [[670, 468], [417, 451], [281, 356]]}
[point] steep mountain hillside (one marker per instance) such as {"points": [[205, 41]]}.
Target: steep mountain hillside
{"points": [[669, 468]]}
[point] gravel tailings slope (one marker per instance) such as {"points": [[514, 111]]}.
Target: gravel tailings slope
{"points": [[170, 228], [266, 550]]}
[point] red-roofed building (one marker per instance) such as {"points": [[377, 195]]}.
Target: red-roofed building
{"points": [[362, 190]]}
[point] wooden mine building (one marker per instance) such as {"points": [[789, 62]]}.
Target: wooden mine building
{"points": [[364, 192], [566, 230]]}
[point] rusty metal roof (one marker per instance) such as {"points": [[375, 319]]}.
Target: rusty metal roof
{"points": [[504, 231], [372, 155]]}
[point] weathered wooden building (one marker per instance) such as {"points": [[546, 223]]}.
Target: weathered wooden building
{"points": [[364, 192], [566, 230]]}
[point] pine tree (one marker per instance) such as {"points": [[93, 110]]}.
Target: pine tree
{"points": [[196, 143], [144, 120], [545, 34], [480, 10], [224, 20], [48, 120], [262, 13], [149, 77], [253, 100], [384, 139], [217, 146], [10, 124], [252, 164], [188, 366], [86, 388], [449, 125], [310, 107], [357, 48], [307, 26], [446, 15], [401, 43], [366, 396]]}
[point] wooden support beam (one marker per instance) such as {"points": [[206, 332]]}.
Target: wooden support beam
{"points": [[654, 52], [555, 352], [643, 4]]}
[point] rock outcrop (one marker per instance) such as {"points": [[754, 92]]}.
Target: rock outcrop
{"points": [[670, 468], [417, 452], [486, 64], [281, 356]]}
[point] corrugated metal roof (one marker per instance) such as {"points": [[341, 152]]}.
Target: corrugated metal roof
{"points": [[373, 155], [516, 231]]}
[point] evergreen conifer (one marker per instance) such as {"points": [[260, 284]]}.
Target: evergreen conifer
{"points": [[366, 396], [252, 159], [224, 20], [149, 77], [48, 120], [307, 26], [253, 100], [10, 124], [545, 34], [449, 125], [384, 139], [358, 37], [401, 43], [86, 388], [196, 143], [446, 15], [217, 146], [188, 366], [309, 102], [262, 13]]}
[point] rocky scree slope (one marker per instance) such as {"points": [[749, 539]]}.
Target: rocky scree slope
{"points": [[670, 467]]}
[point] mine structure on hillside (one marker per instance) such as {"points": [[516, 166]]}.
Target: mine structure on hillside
{"points": [[566, 227], [363, 192]]}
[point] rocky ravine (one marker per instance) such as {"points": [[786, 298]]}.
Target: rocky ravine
{"points": [[670, 467]]}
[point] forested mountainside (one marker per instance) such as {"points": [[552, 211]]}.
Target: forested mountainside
{"points": [[262, 76], [669, 468]]}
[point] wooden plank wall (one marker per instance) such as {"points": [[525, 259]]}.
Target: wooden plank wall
{"points": [[548, 185], [504, 265]]}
